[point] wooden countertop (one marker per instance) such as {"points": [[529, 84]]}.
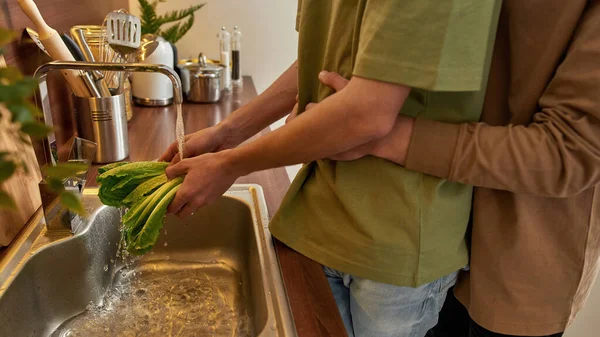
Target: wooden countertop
{"points": [[151, 130]]}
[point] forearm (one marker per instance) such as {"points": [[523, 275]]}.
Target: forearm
{"points": [[274, 103], [546, 158], [339, 123]]}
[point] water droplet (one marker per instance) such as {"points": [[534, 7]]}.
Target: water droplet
{"points": [[166, 244], [105, 267]]}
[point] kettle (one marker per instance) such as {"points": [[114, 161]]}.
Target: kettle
{"points": [[152, 89]]}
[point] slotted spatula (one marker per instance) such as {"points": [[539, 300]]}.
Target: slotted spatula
{"points": [[123, 32]]}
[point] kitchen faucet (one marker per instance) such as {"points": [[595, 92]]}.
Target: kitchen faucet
{"points": [[81, 150]]}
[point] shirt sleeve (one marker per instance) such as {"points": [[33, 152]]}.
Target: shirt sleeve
{"points": [[428, 44], [557, 155]]}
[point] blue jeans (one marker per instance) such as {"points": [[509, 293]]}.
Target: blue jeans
{"points": [[372, 309]]}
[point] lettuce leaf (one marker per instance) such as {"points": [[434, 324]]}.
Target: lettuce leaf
{"points": [[146, 190], [143, 238], [118, 182], [111, 166]]}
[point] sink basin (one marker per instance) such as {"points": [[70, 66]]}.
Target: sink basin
{"points": [[212, 274]]}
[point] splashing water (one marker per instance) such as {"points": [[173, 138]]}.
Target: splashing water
{"points": [[180, 299]]}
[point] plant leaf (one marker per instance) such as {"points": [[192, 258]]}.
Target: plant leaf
{"points": [[151, 22], [18, 91], [7, 202], [22, 112], [55, 184], [185, 28], [64, 170], [6, 36], [148, 17], [72, 202], [171, 33], [179, 15], [25, 168], [10, 74], [35, 129], [7, 169], [24, 138]]}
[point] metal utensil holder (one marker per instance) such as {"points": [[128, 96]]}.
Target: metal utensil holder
{"points": [[103, 120], [92, 103]]}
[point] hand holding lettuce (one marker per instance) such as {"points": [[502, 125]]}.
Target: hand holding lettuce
{"points": [[144, 188]]}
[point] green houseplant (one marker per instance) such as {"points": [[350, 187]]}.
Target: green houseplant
{"points": [[181, 21], [19, 121]]}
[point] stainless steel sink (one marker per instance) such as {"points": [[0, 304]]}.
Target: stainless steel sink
{"points": [[213, 274]]}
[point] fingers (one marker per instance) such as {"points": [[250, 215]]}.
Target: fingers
{"points": [[179, 201], [176, 159], [168, 156], [187, 153], [172, 151], [186, 211], [177, 170], [333, 80], [292, 114]]}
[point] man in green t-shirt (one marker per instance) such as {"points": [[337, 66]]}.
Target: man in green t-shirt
{"points": [[392, 240]]}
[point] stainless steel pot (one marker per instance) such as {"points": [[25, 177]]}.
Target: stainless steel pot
{"points": [[201, 81]]}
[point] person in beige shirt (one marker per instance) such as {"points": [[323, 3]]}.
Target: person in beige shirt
{"points": [[534, 159]]}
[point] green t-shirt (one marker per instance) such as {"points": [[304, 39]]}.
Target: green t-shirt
{"points": [[370, 217]]}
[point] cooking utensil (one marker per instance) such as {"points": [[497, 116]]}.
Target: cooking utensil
{"points": [[79, 37], [201, 81], [146, 49], [93, 35], [55, 46], [75, 52], [73, 48], [36, 39], [123, 32], [78, 55], [66, 39]]}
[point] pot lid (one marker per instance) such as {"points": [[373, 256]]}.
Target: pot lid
{"points": [[201, 67]]}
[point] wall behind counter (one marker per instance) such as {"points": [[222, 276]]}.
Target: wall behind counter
{"points": [[269, 38], [269, 43]]}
